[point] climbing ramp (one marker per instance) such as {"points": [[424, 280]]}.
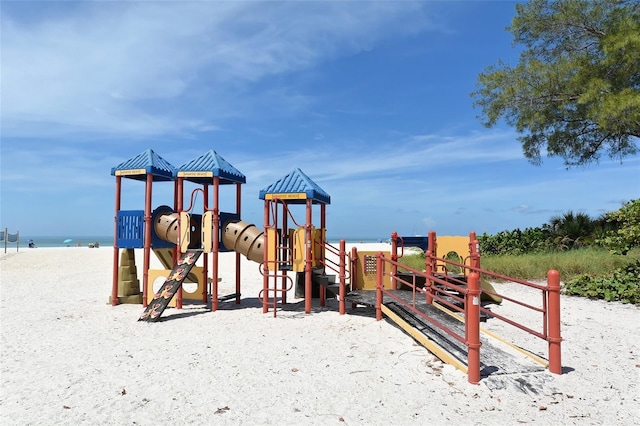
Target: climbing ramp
{"points": [[497, 356], [173, 282]]}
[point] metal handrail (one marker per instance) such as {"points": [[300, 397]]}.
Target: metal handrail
{"points": [[470, 295]]}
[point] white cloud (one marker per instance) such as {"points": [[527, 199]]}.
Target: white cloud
{"points": [[116, 68]]}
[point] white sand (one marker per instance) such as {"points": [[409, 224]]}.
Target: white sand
{"points": [[70, 358]]}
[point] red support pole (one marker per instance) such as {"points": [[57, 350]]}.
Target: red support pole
{"points": [[318, 253], [379, 278], [394, 257], [553, 305], [321, 254], [279, 253], [428, 281], [238, 211], [205, 258], [265, 264], [430, 265], [472, 327], [353, 268], [474, 251], [216, 244], [308, 261], [116, 263], [179, 205], [432, 245], [147, 237], [343, 274]]}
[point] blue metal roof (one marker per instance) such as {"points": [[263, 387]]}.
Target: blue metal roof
{"points": [[143, 164], [295, 188], [210, 164]]}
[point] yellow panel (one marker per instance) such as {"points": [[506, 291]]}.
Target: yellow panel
{"points": [[195, 174], [197, 293], [272, 241], [131, 172], [185, 231], [448, 244], [154, 274], [295, 196], [299, 249], [207, 231], [367, 268], [292, 235]]}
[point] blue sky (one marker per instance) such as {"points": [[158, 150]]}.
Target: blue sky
{"points": [[370, 99]]}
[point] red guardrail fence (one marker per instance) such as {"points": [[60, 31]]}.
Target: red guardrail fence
{"points": [[466, 290]]}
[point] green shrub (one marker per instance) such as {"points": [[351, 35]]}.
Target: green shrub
{"points": [[626, 234], [623, 285]]}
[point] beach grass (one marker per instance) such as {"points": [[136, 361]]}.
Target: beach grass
{"points": [[596, 262]]}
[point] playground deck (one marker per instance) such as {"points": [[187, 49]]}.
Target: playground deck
{"points": [[497, 357]]}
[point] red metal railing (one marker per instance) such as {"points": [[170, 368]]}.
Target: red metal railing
{"points": [[447, 289], [340, 267], [268, 269]]}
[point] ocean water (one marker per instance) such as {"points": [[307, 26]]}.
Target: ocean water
{"points": [[107, 241], [48, 241]]}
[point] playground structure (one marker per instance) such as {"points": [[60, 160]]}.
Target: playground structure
{"points": [[441, 306], [171, 231]]}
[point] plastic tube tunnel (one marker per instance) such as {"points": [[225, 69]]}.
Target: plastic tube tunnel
{"points": [[244, 238], [166, 225], [240, 236]]}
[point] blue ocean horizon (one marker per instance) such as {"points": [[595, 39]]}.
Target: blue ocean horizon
{"points": [[107, 241], [60, 241]]}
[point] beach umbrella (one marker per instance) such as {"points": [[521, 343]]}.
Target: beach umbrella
{"points": [[68, 240]]}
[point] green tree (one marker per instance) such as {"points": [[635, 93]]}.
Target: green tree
{"points": [[571, 229], [575, 92], [627, 234]]}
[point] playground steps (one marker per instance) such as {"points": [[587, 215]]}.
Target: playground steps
{"points": [[228, 297], [318, 279], [328, 282], [170, 287], [128, 283], [496, 356]]}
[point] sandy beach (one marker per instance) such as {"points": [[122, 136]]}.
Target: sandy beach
{"points": [[68, 357]]}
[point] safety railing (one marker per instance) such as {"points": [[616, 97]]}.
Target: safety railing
{"points": [[265, 292], [269, 268], [339, 267], [462, 294], [471, 296]]}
